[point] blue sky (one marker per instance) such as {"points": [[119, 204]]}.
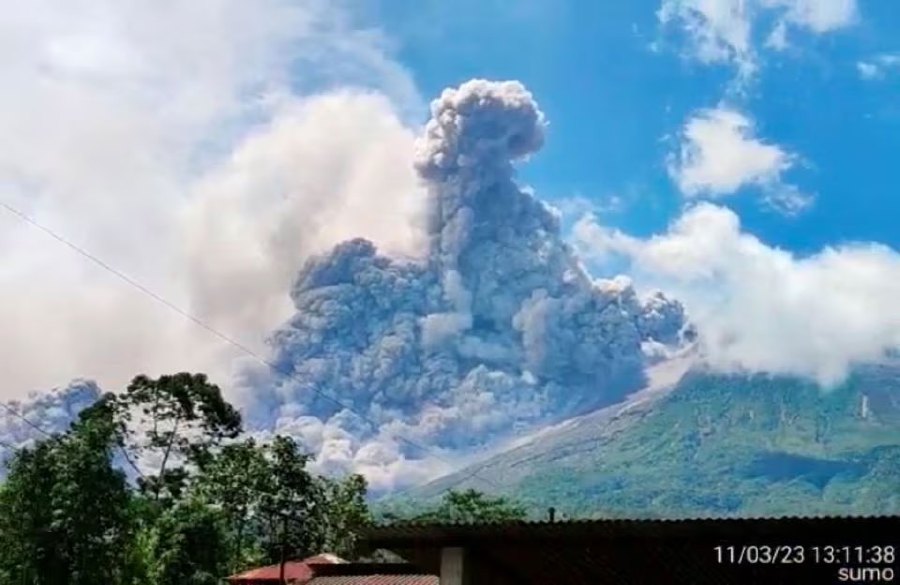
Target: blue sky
{"points": [[614, 84]]}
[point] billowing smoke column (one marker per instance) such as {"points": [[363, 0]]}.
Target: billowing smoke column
{"points": [[496, 329]]}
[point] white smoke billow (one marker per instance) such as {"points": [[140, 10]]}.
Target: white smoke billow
{"points": [[759, 308], [497, 328]]}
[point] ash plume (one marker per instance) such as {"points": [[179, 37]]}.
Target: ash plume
{"points": [[22, 422], [495, 329]]}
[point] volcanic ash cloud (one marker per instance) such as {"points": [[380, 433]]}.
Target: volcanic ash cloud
{"points": [[497, 328], [42, 415]]}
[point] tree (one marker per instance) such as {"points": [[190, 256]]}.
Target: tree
{"points": [[26, 515], [235, 480], [210, 506], [270, 498], [188, 546], [347, 513], [472, 506], [170, 421], [64, 508], [293, 500]]}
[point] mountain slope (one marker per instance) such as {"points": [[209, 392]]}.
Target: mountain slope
{"points": [[715, 445]]}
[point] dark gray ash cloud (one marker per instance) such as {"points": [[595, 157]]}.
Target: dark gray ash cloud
{"points": [[496, 328]]}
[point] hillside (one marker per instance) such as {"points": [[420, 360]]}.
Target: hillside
{"points": [[715, 445]]}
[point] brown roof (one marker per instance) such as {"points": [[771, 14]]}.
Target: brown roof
{"points": [[294, 571], [377, 580]]}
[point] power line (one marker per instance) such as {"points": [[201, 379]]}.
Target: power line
{"points": [[9, 446], [22, 417], [11, 410], [124, 277], [197, 321], [51, 436]]}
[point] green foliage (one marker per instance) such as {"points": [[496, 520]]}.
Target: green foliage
{"points": [[188, 546], [26, 515], [64, 509], [269, 499], [215, 504], [347, 514], [235, 480], [466, 507], [180, 417]]}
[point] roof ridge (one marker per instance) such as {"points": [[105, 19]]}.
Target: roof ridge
{"points": [[724, 519]]}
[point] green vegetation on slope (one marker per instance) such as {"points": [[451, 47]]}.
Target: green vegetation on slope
{"points": [[720, 446], [459, 507]]}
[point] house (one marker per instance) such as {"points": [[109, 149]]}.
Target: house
{"points": [[327, 569], [295, 572], [696, 552]]}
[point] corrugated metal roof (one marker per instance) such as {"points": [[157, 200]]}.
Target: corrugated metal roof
{"points": [[649, 521], [387, 535], [377, 580]]}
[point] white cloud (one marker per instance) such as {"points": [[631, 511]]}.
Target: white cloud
{"points": [[117, 119], [726, 31], [719, 30], [777, 39], [868, 70], [760, 308], [719, 154], [597, 243], [818, 16], [325, 169], [575, 206], [878, 66], [786, 199]]}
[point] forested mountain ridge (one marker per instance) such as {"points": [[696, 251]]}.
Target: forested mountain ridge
{"points": [[715, 445]]}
